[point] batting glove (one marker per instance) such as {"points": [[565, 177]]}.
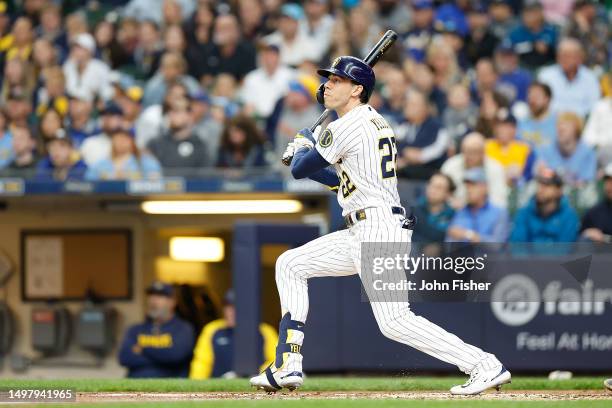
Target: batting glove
{"points": [[304, 138], [289, 152]]}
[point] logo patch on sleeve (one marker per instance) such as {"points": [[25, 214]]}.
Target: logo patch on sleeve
{"points": [[326, 138]]}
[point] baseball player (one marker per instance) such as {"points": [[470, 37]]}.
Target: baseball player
{"points": [[355, 155]]}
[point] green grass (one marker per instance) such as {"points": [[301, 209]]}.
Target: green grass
{"points": [[311, 384], [386, 403]]}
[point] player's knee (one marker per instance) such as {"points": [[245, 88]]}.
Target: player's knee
{"points": [[387, 329], [283, 264]]}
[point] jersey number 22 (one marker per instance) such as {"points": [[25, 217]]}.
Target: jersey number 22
{"points": [[388, 159]]}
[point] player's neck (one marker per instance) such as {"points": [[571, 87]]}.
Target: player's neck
{"points": [[352, 104]]}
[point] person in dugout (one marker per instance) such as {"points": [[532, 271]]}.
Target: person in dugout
{"points": [[162, 346], [214, 351]]}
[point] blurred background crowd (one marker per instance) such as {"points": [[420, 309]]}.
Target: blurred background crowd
{"points": [[504, 107]]}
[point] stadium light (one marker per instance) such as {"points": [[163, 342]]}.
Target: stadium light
{"points": [[222, 207], [202, 249]]}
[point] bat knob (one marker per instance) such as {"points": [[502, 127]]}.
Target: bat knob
{"points": [[287, 161]]}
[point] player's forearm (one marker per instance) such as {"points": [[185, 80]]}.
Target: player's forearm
{"points": [[306, 163]]}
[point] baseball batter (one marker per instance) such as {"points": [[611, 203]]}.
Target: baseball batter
{"points": [[355, 155]]}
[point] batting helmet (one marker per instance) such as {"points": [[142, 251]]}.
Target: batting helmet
{"points": [[354, 69]]}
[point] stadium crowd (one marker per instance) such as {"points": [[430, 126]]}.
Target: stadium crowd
{"points": [[502, 106]]}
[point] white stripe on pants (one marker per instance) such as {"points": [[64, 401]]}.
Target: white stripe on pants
{"points": [[338, 254]]}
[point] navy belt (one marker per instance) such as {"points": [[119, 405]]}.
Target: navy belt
{"points": [[359, 215]]}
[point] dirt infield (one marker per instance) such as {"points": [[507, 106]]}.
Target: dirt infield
{"points": [[553, 395]]}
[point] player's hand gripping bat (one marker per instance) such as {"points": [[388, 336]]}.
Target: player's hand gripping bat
{"points": [[372, 58]]}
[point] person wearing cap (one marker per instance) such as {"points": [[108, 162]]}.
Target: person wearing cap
{"points": [[548, 216], [80, 124], [511, 75], [539, 128], [129, 98], [297, 110], [592, 31], [505, 148], [575, 87], [534, 39], [264, 86], [472, 154], [294, 45], [205, 125], [416, 41], [597, 221], [98, 147], [84, 74], [125, 161], [62, 162], [479, 220], [161, 346], [573, 159], [213, 355]]}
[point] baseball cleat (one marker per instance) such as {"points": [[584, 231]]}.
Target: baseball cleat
{"points": [[274, 381], [481, 380], [608, 384]]}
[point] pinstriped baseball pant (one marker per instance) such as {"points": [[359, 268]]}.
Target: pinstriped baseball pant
{"points": [[339, 254]]}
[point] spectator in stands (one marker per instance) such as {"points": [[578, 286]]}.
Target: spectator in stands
{"points": [[480, 41], [230, 54], [597, 222], [224, 96], [129, 99], [422, 78], [63, 162], [479, 220], [98, 147], [161, 346], [6, 142], [394, 95], [445, 66], [296, 111], [44, 55], [491, 103], [241, 144], [50, 122], [597, 130], [51, 28], [294, 44], [513, 80], [572, 159], [149, 50], [416, 41], [485, 80], [206, 127], [317, 26], [24, 150], [80, 124], [505, 149], [502, 17], [548, 217], [19, 108], [591, 31], [172, 69], [252, 17], [540, 127], [263, 87], [84, 74], [473, 156], [433, 210], [52, 93], [179, 146], [534, 39], [153, 10], [21, 38], [108, 49], [363, 31], [125, 161], [213, 355], [422, 142], [17, 78], [574, 87], [460, 116]]}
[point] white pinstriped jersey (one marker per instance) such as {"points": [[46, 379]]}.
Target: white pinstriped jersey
{"points": [[361, 147]]}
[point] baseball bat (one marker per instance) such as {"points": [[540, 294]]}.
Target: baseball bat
{"points": [[371, 59]]}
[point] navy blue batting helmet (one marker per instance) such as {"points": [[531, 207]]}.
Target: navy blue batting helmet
{"points": [[354, 69]]}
